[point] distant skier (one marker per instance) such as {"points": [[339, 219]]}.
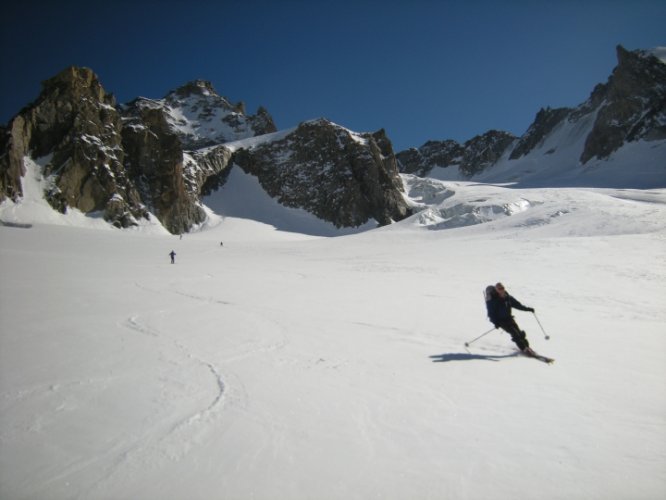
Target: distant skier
{"points": [[499, 304], [173, 257]]}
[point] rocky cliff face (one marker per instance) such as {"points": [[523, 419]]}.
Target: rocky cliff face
{"points": [[544, 123], [161, 156], [631, 106], [471, 157], [419, 161], [123, 161], [74, 130], [155, 162], [341, 176], [484, 150]]}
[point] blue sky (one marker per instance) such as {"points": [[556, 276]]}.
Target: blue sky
{"points": [[419, 69]]}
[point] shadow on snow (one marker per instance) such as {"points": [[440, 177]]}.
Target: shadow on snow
{"points": [[466, 356]]}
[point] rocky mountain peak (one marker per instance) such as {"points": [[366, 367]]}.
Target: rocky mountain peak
{"points": [[160, 156], [630, 106], [341, 176], [471, 157], [638, 73], [420, 161], [73, 130], [544, 123], [201, 118], [78, 82], [484, 150], [195, 87]]}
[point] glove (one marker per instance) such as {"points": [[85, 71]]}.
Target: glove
{"points": [[530, 309]]}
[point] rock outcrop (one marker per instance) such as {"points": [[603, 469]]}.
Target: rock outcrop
{"points": [[200, 117], [341, 176], [74, 130], [155, 161], [161, 156], [419, 161], [544, 123], [172, 147], [630, 106], [484, 150], [470, 158]]}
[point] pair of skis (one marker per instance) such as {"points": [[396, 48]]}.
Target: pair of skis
{"points": [[529, 353]]}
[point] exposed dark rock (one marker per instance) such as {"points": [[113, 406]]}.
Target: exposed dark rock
{"points": [[470, 158], [544, 123], [155, 161], [75, 129], [14, 147], [432, 154], [342, 177], [208, 169], [162, 155], [631, 105], [484, 150], [97, 160]]}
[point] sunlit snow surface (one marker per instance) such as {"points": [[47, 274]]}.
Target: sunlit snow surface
{"points": [[269, 364]]}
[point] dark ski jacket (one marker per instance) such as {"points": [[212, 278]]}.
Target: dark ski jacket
{"points": [[499, 309]]}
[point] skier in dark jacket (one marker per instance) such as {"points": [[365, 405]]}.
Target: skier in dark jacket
{"points": [[499, 304], [173, 257]]}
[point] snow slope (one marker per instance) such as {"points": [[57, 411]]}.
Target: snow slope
{"points": [[288, 366], [555, 162]]}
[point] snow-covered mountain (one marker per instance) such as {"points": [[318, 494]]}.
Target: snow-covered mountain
{"points": [[272, 363], [201, 118], [160, 158], [617, 136]]}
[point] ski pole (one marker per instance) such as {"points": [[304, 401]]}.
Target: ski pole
{"points": [[482, 335], [544, 331]]}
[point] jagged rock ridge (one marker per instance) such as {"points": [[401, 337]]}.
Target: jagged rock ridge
{"points": [[200, 117], [161, 156], [340, 176], [76, 127], [630, 106]]}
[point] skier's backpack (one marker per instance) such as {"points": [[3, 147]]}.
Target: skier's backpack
{"points": [[488, 294]]}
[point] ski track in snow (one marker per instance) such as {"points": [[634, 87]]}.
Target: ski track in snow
{"points": [[173, 440], [134, 324], [166, 440], [335, 368]]}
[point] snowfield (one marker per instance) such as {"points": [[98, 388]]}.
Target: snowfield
{"points": [[286, 365]]}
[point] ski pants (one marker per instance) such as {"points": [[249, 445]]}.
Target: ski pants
{"points": [[517, 335]]}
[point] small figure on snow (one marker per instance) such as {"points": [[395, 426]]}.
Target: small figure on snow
{"points": [[173, 257], [499, 304]]}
